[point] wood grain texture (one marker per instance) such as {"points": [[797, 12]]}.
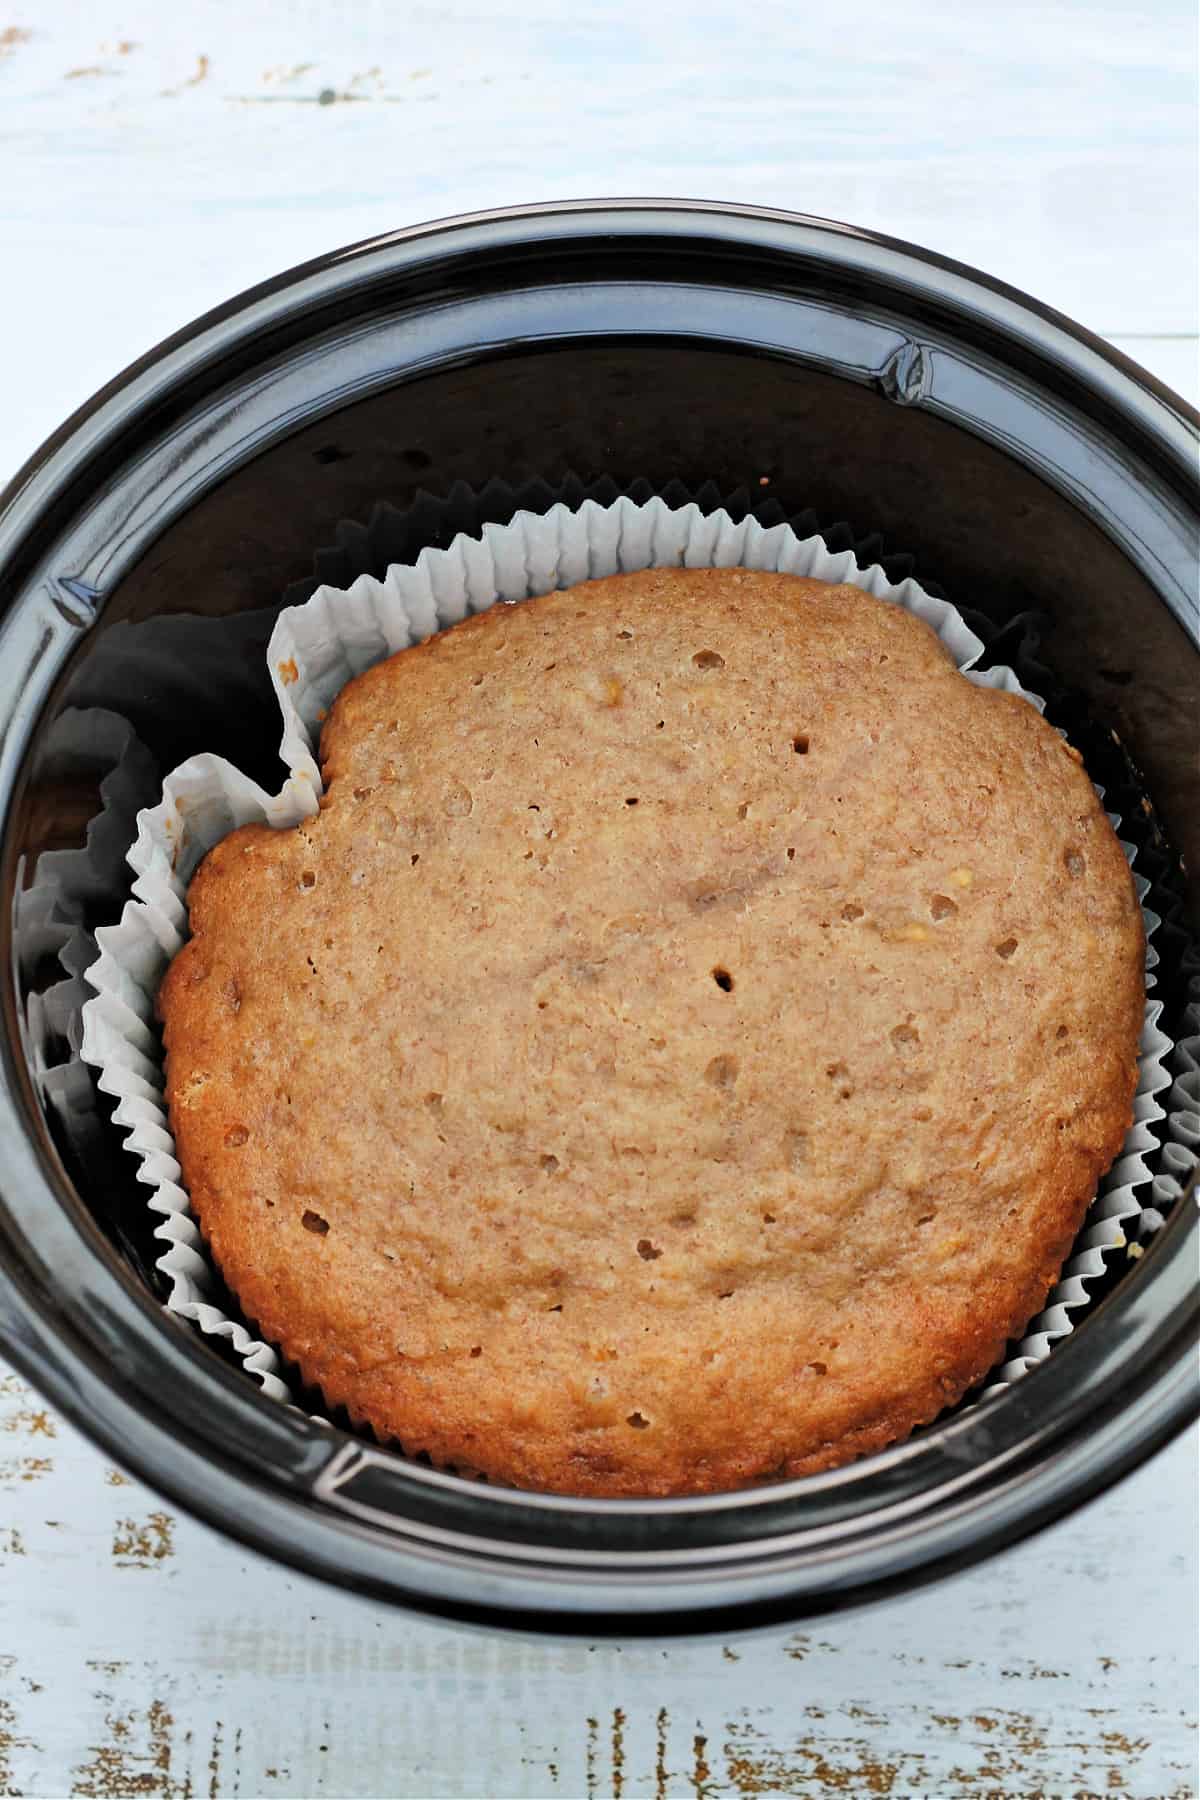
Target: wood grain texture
{"points": [[141, 1654], [158, 159], [155, 160]]}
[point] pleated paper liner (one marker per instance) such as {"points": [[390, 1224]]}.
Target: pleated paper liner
{"points": [[94, 776], [336, 633]]}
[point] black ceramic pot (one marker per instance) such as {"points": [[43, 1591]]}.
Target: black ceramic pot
{"points": [[1026, 467]]}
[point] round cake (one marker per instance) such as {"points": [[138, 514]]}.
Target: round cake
{"points": [[681, 1050]]}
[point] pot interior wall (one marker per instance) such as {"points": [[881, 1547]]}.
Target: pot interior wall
{"points": [[994, 537]]}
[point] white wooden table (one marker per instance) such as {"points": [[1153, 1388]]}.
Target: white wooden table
{"points": [[153, 161]]}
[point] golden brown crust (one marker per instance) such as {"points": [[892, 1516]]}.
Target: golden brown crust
{"points": [[681, 1050]]}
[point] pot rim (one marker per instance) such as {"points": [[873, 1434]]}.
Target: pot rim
{"points": [[1005, 1468], [548, 213]]}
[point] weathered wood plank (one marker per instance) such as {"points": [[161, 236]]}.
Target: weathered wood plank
{"points": [[139, 1653]]}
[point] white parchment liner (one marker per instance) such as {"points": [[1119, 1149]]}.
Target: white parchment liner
{"points": [[314, 651], [49, 925]]}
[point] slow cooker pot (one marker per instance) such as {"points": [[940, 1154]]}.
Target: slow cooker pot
{"points": [[1005, 453]]}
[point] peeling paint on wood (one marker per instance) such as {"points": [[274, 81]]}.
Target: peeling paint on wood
{"points": [[24, 1468], [29, 1420], [133, 1758], [142, 1546], [214, 1763], [661, 1772], [808, 1766], [11, 1741], [105, 1682], [593, 1732], [618, 1753], [700, 1768]]}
